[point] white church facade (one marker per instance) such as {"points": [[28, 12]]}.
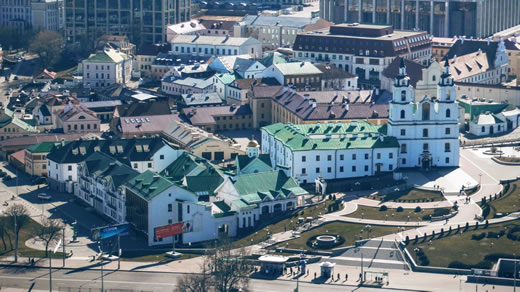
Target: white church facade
{"points": [[421, 132]]}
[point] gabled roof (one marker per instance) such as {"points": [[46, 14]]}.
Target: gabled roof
{"points": [[273, 58], [153, 49], [297, 68], [194, 99], [205, 115], [488, 119], [212, 40], [77, 114], [243, 160], [413, 70], [143, 109], [467, 47], [103, 165], [148, 184], [43, 147], [253, 188], [107, 56]]}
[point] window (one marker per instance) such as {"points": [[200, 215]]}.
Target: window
{"points": [[426, 111], [170, 208], [403, 132], [448, 113], [403, 161], [304, 171], [366, 167], [403, 95], [161, 156], [403, 148], [447, 147], [483, 129], [353, 156], [447, 131], [317, 170], [329, 169], [425, 132], [390, 167], [317, 158], [304, 158], [353, 168], [69, 167], [329, 157], [403, 114], [378, 155], [70, 177], [188, 209], [425, 147], [149, 165], [135, 165], [341, 169], [390, 155], [447, 160], [366, 156], [341, 157]]}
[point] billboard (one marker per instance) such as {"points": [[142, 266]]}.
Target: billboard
{"points": [[109, 231], [169, 230]]}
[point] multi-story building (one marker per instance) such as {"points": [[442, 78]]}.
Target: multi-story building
{"points": [[174, 86], [363, 50], [441, 18], [142, 21], [276, 31], [478, 61], [36, 157], [16, 13], [198, 45], [513, 52], [116, 42], [101, 178], [105, 68], [12, 126], [300, 75], [427, 128], [48, 15], [146, 55], [441, 47], [77, 118], [216, 118]]}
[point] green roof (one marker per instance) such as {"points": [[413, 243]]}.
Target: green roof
{"points": [[222, 206], [99, 164], [226, 78], [148, 184], [8, 117], [332, 136], [244, 160], [44, 147], [253, 188], [273, 58], [107, 57], [476, 109]]}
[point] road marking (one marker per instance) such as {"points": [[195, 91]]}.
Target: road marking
{"points": [[381, 248]]}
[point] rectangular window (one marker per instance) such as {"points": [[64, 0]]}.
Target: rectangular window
{"points": [[317, 170], [425, 147], [447, 147], [390, 167], [317, 158], [329, 169], [170, 208], [366, 167], [341, 157], [304, 171], [390, 155], [304, 158], [403, 132], [149, 165], [366, 156], [425, 132], [378, 155], [69, 167], [354, 168], [447, 131], [403, 161], [341, 169], [329, 157], [447, 160], [353, 156]]}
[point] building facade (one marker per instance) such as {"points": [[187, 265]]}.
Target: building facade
{"points": [[143, 21], [106, 68], [48, 15], [441, 18], [197, 45]]}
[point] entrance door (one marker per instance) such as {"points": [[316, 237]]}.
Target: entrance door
{"points": [[219, 156], [491, 130]]}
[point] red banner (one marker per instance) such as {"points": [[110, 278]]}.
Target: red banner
{"points": [[169, 230]]}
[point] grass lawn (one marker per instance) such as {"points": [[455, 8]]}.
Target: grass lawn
{"points": [[26, 233], [508, 159], [152, 256], [409, 196], [283, 225], [349, 231], [393, 215], [465, 251], [509, 202]]}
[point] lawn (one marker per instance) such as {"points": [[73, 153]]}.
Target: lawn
{"points": [[26, 233], [283, 225], [507, 203], [351, 232], [508, 158], [152, 256], [479, 248], [409, 196], [392, 214]]}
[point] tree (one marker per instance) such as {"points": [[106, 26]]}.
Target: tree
{"points": [[48, 45], [18, 218], [224, 269], [49, 232], [3, 233]]}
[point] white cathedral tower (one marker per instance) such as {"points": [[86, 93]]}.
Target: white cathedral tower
{"points": [[426, 127]]}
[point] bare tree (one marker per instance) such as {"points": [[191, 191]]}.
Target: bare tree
{"points": [[48, 45], [224, 269], [3, 233], [196, 282], [18, 218], [49, 232]]}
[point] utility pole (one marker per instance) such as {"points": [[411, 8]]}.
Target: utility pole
{"points": [[119, 251], [63, 240], [15, 238], [362, 278], [50, 271], [514, 277]]}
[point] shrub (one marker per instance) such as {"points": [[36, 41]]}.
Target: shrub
{"points": [[485, 211], [383, 208], [440, 212], [478, 236], [418, 209], [426, 217], [399, 209], [486, 224], [416, 238]]}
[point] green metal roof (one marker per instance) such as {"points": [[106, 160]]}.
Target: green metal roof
{"points": [[332, 136], [253, 188], [148, 184], [44, 147], [244, 160], [475, 109], [226, 78]]}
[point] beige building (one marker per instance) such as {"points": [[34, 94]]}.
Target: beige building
{"points": [[48, 15], [488, 92], [36, 157], [513, 53], [217, 118], [441, 46], [12, 126], [78, 119]]}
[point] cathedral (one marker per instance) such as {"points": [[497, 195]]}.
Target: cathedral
{"points": [[426, 127]]}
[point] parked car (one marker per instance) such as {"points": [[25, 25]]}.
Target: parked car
{"points": [[38, 180], [44, 196]]}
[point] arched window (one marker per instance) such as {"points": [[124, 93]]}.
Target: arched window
{"points": [[403, 114], [426, 111], [403, 95], [448, 113]]}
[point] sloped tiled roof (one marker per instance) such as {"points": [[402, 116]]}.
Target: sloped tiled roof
{"points": [[413, 69], [205, 115], [103, 165], [148, 184]]}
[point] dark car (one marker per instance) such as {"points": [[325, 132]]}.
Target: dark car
{"points": [[38, 180], [7, 178]]}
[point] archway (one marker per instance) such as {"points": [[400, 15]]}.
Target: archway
{"points": [[277, 208]]}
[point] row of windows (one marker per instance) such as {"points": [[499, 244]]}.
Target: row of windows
{"points": [[354, 157], [82, 127], [97, 67], [425, 113], [210, 51], [447, 131], [342, 169], [426, 147], [97, 75]]}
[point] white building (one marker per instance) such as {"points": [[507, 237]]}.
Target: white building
{"points": [[106, 68], [426, 127], [198, 45], [243, 65], [48, 15], [175, 86], [15, 13], [100, 184], [490, 123]]}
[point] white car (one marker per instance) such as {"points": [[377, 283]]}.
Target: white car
{"points": [[44, 196]]}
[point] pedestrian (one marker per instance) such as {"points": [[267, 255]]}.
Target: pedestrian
{"points": [[314, 275], [346, 277], [338, 276]]}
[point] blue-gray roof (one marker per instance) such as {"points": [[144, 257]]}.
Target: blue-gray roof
{"points": [[201, 99], [266, 20]]}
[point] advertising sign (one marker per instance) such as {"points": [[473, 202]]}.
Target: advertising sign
{"points": [[109, 231], [169, 230]]}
